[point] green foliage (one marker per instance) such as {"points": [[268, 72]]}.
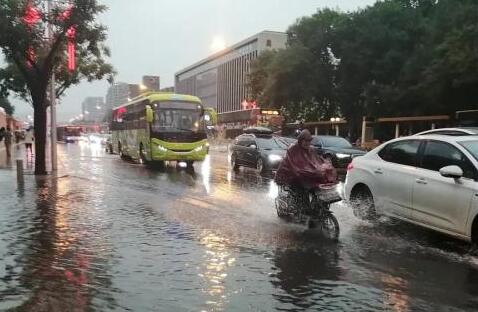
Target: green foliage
{"points": [[20, 78], [397, 57], [32, 58]]}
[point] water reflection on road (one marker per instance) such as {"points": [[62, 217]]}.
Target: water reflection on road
{"points": [[113, 235]]}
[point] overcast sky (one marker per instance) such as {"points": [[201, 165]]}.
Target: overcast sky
{"points": [[160, 37]]}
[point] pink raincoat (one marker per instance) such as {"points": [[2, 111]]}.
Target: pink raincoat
{"points": [[304, 167]]}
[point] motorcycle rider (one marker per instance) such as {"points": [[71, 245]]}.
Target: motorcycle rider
{"points": [[302, 170]]}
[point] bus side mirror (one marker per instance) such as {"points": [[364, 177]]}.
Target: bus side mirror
{"points": [[149, 114], [212, 114]]}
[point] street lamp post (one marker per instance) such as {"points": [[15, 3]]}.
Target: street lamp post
{"points": [[335, 121], [52, 105], [53, 124]]}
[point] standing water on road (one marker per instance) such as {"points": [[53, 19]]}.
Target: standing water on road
{"points": [[105, 234]]}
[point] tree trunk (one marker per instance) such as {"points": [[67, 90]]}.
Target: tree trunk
{"points": [[39, 123]]}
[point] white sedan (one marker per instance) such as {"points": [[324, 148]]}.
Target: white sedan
{"points": [[429, 180]]}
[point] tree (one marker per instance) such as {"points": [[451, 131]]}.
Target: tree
{"points": [[394, 58], [7, 106], [32, 58], [300, 79], [259, 76]]}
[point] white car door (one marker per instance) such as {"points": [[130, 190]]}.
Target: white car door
{"points": [[443, 202], [395, 177]]}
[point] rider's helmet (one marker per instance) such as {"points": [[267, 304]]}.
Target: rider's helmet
{"points": [[304, 135]]}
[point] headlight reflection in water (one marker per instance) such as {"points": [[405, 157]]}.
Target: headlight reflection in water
{"points": [[217, 260]]}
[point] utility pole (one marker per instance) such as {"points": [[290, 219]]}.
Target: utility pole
{"points": [[52, 103]]}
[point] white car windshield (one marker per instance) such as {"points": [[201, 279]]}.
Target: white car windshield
{"points": [[472, 147]]}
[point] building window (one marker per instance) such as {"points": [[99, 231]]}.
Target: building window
{"points": [[269, 43]]}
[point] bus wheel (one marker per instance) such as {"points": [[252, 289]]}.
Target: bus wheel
{"points": [[189, 163], [142, 155]]}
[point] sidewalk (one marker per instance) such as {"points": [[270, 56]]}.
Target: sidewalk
{"points": [[18, 152]]}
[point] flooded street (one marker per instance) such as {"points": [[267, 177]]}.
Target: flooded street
{"points": [[110, 235]]}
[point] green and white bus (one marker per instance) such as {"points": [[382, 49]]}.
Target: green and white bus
{"points": [[156, 127]]}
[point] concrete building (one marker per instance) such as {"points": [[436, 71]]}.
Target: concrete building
{"points": [[119, 93], [221, 79], [133, 91], [93, 109], [151, 83], [167, 89]]}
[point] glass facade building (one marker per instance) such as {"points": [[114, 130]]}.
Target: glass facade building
{"points": [[221, 79]]}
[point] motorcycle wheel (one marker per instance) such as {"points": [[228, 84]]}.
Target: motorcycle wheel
{"points": [[330, 226]]}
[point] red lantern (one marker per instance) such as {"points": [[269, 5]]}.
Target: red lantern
{"points": [[70, 34], [30, 18]]}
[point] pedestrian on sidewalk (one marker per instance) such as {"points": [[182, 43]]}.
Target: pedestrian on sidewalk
{"points": [[29, 138], [8, 136], [2, 133]]}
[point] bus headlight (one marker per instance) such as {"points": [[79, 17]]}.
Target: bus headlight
{"points": [[199, 148], [161, 148]]}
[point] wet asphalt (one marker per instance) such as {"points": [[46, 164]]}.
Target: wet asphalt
{"points": [[111, 235]]}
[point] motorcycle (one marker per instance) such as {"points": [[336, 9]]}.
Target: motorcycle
{"points": [[310, 207]]}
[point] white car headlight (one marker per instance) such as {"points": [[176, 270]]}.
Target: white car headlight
{"points": [[199, 148], [274, 157], [161, 148], [340, 155]]}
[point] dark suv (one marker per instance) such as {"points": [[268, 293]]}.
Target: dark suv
{"points": [[337, 149], [257, 150]]}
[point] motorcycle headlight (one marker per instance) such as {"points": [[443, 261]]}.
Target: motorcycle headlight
{"points": [[161, 148], [273, 158], [340, 155], [199, 148]]}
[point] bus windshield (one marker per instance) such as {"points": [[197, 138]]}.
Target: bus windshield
{"points": [[72, 131], [175, 116]]}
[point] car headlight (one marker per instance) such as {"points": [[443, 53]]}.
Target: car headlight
{"points": [[273, 157], [199, 148], [161, 148], [340, 155]]}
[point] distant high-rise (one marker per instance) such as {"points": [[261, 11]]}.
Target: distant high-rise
{"points": [[151, 83], [119, 93], [133, 90], [93, 109]]}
